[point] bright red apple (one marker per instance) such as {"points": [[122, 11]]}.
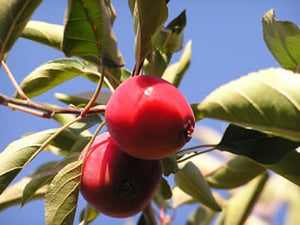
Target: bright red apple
{"points": [[149, 118], [115, 183]]}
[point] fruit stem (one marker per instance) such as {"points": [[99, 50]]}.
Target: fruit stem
{"points": [[93, 138], [192, 149], [95, 95], [195, 154]]}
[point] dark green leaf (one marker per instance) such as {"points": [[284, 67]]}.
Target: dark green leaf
{"points": [[170, 39], [53, 73], [13, 194], [148, 17], [88, 215], [268, 100], [288, 167], [169, 165], [201, 216], [14, 15], [236, 172], [88, 33], [175, 72], [44, 33], [18, 154], [190, 180], [241, 204], [164, 189], [62, 195], [283, 40], [258, 146]]}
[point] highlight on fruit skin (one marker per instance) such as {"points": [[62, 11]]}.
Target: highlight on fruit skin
{"points": [[149, 118], [115, 183]]}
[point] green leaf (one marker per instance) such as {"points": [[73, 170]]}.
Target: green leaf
{"points": [[88, 215], [174, 73], [201, 216], [83, 98], [283, 41], [190, 180], [241, 204], [236, 172], [44, 175], [14, 15], [268, 100], [180, 198], [148, 18], [258, 146], [88, 33], [13, 194], [18, 154], [164, 189], [293, 205], [80, 126], [288, 167], [170, 39], [158, 63], [169, 165], [62, 195], [53, 73], [44, 33]]}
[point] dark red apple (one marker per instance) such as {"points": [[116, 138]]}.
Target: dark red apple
{"points": [[149, 118], [115, 183]]}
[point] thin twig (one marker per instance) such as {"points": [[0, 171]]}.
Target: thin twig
{"points": [[49, 111], [95, 95], [14, 82]]}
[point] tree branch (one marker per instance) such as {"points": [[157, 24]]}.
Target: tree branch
{"points": [[43, 110]]}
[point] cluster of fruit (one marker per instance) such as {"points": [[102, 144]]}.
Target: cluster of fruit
{"points": [[147, 119]]}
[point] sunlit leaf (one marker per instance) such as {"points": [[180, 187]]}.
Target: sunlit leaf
{"points": [[83, 98], [255, 145], [174, 73], [88, 33], [13, 194], [180, 198], [62, 195], [18, 154], [283, 40], [148, 17], [44, 33], [14, 15], [234, 173], [53, 73], [293, 205], [88, 215], [268, 100], [241, 204], [201, 216], [190, 180], [170, 38]]}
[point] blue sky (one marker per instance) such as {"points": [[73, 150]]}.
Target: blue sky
{"points": [[227, 43]]}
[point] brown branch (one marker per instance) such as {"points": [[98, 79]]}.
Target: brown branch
{"points": [[43, 110]]}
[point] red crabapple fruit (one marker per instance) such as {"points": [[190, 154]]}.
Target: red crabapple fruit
{"points": [[149, 118], [115, 183]]}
